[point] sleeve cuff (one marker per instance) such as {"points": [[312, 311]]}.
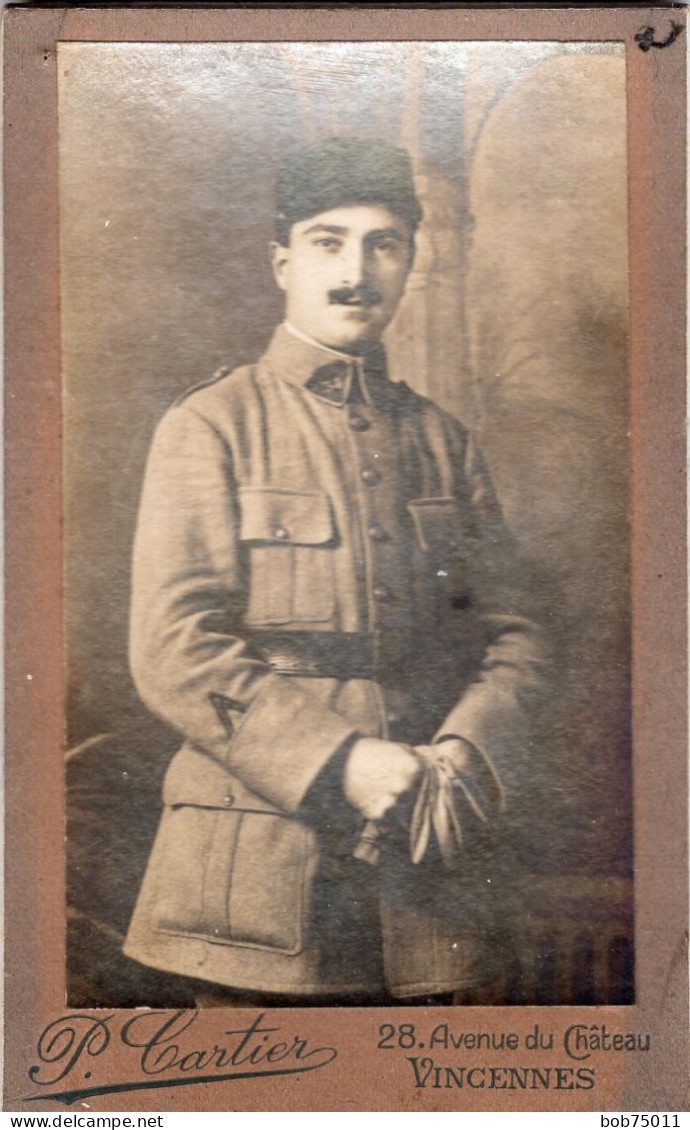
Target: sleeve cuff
{"points": [[285, 741]]}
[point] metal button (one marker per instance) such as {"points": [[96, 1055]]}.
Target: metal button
{"points": [[370, 476], [280, 533], [376, 532], [359, 423], [382, 593], [228, 800]]}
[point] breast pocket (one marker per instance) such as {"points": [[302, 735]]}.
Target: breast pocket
{"points": [[290, 538], [443, 551]]}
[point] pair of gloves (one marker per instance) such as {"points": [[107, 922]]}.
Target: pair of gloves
{"points": [[457, 788]]}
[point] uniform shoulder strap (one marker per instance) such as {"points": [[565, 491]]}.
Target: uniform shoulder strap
{"points": [[223, 371]]}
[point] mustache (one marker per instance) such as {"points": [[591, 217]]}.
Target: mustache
{"points": [[364, 293]]}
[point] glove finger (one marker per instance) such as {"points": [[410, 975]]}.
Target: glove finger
{"points": [[449, 829], [420, 824], [469, 797]]}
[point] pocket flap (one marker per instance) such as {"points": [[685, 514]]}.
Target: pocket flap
{"points": [[285, 517], [195, 780], [437, 521]]}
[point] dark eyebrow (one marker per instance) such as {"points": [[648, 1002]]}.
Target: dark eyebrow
{"points": [[333, 229], [396, 232]]}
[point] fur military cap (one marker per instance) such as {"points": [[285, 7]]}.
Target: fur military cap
{"points": [[340, 171]]}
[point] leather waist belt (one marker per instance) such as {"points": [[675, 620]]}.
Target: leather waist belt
{"points": [[333, 655]]}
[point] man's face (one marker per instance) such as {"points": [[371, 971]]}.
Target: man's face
{"points": [[344, 273]]}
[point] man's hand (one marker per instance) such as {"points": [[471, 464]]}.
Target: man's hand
{"points": [[377, 774]]}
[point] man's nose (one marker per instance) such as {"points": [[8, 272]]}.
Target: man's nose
{"points": [[356, 264]]}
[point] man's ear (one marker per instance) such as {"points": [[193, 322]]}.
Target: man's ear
{"points": [[279, 261]]}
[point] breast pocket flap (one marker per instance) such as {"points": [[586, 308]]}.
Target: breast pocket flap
{"points": [[436, 521], [282, 517]]}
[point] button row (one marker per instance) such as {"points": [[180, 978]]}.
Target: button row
{"points": [[376, 531]]}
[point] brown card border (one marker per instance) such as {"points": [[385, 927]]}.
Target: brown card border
{"points": [[360, 1078]]}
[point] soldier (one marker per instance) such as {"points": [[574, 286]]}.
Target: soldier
{"points": [[326, 606]]}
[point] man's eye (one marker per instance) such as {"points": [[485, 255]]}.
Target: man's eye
{"points": [[327, 242], [387, 244]]}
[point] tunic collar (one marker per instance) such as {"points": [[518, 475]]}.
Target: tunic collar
{"points": [[327, 374]]}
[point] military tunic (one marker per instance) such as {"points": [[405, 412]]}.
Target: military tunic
{"points": [[319, 555]]}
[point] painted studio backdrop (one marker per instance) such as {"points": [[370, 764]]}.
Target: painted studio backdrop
{"points": [[515, 320]]}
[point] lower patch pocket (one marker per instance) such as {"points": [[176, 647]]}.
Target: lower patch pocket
{"points": [[234, 877]]}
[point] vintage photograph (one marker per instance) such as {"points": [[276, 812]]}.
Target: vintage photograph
{"points": [[347, 505]]}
